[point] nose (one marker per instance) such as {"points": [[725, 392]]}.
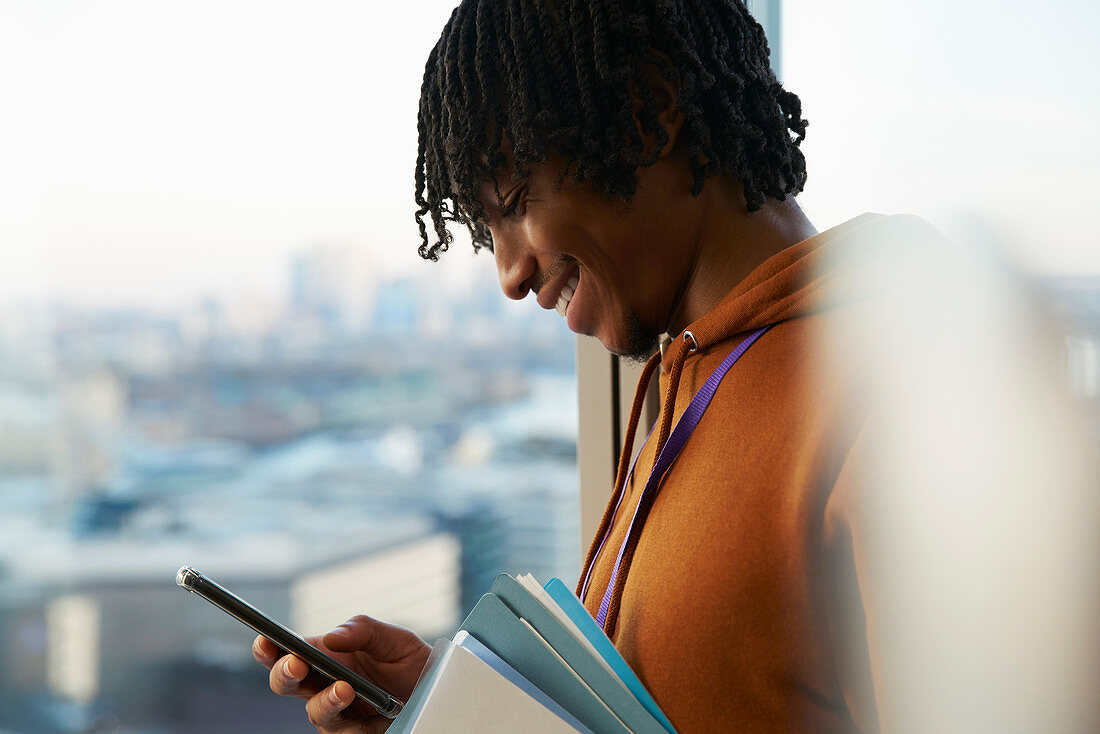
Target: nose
{"points": [[517, 266]]}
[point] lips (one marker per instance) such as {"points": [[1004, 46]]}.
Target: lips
{"points": [[566, 295], [560, 277]]}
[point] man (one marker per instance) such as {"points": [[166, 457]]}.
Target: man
{"points": [[633, 164]]}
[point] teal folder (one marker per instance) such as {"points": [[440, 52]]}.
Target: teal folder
{"points": [[497, 627], [588, 627], [606, 685]]}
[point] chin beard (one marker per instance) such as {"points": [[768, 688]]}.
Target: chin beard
{"points": [[642, 341]]}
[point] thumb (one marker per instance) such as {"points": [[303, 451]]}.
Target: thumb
{"points": [[383, 642]]}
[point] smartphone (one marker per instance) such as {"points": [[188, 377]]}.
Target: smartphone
{"points": [[190, 579]]}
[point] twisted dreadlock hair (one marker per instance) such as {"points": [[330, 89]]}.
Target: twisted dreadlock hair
{"points": [[567, 77]]}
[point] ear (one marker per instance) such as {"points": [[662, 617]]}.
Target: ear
{"points": [[663, 84]]}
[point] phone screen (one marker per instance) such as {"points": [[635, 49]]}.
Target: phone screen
{"points": [[193, 581]]}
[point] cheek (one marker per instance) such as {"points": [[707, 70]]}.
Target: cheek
{"points": [[542, 233], [594, 239]]}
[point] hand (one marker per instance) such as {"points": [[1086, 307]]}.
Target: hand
{"points": [[391, 656]]}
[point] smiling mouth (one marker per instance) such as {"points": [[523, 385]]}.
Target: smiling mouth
{"points": [[566, 296]]}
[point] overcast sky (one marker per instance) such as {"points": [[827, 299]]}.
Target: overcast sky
{"points": [[151, 152]]}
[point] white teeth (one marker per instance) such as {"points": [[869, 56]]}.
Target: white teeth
{"points": [[567, 295]]}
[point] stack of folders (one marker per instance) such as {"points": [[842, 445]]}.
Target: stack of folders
{"points": [[529, 659]]}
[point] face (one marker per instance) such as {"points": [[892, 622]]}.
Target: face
{"points": [[614, 270]]}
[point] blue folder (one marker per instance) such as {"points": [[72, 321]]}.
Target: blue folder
{"points": [[602, 681], [499, 629], [588, 627]]}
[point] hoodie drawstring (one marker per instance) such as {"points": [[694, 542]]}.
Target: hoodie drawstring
{"points": [[620, 475], [668, 405], [645, 502], [667, 451]]}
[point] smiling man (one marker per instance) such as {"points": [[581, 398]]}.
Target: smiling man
{"points": [[618, 144], [633, 163]]}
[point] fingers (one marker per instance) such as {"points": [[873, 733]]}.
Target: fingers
{"points": [[325, 709], [361, 633], [265, 651], [287, 676], [383, 642]]}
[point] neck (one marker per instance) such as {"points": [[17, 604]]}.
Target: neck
{"points": [[730, 244]]}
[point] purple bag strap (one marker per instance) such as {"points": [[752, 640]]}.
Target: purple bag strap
{"points": [[676, 440]]}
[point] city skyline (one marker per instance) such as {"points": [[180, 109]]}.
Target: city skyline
{"points": [[422, 448]]}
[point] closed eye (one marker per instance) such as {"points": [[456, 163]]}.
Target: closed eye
{"points": [[515, 202]]}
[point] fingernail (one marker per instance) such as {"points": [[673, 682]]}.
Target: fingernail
{"points": [[334, 696], [337, 631], [288, 672]]}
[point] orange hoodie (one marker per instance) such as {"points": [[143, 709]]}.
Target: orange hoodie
{"points": [[730, 603]]}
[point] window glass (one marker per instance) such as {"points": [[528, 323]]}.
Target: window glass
{"points": [[971, 115], [966, 114], [219, 348]]}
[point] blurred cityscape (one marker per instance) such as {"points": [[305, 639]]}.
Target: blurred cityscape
{"points": [[362, 446]]}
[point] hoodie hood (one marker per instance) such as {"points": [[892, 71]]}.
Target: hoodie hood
{"points": [[840, 266], [837, 267], [825, 271]]}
